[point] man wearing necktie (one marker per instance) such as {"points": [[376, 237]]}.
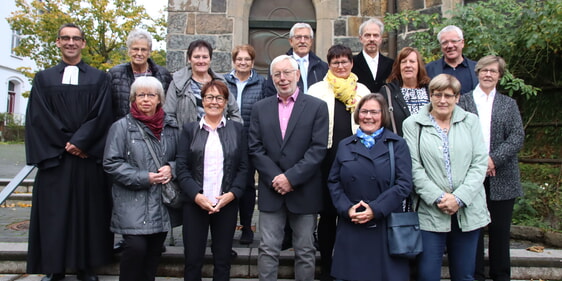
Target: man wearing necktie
{"points": [[68, 115], [312, 68]]}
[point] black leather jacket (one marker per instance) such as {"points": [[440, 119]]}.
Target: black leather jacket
{"points": [[122, 78], [191, 155]]}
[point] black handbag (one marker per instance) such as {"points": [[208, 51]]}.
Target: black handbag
{"points": [[403, 228], [171, 193]]}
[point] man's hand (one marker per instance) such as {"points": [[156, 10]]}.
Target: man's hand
{"points": [[72, 149], [281, 184]]}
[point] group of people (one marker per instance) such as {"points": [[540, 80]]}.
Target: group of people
{"points": [[317, 133]]}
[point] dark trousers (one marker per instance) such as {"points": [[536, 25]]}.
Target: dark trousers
{"points": [[499, 230], [196, 224], [247, 201], [327, 225], [140, 257]]}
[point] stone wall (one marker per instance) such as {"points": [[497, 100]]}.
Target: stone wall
{"points": [[224, 23]]}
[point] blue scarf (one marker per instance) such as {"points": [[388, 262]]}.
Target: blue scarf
{"points": [[369, 140]]}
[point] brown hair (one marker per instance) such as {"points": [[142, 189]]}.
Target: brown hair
{"points": [[248, 48], [382, 102], [422, 78], [217, 84]]}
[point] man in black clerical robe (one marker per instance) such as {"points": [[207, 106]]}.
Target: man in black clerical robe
{"points": [[68, 115]]}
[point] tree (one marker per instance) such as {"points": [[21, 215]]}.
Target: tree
{"points": [[106, 24], [526, 33]]}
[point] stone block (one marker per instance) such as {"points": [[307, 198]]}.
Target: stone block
{"points": [[221, 62], [373, 8], [213, 24], [188, 6], [553, 238], [218, 6], [339, 28], [353, 24], [177, 22], [410, 5], [349, 7], [351, 42], [175, 60]]}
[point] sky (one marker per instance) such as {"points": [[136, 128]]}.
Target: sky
{"points": [[153, 6]]}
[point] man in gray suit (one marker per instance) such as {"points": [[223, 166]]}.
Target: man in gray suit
{"points": [[287, 142]]}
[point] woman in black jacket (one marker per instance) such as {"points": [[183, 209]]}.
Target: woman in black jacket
{"points": [[211, 167], [407, 84]]}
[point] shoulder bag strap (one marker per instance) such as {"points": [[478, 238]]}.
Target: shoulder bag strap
{"points": [[390, 108], [154, 157]]}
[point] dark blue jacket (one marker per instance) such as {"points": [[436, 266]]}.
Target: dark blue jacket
{"points": [[358, 173], [435, 68], [253, 92]]}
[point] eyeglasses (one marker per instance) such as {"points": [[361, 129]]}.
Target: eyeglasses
{"points": [[373, 112], [73, 38], [446, 42], [150, 96], [441, 95], [491, 71], [302, 37], [338, 63], [285, 73], [142, 50], [209, 98], [239, 59]]}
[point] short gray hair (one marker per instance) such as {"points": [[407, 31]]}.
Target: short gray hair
{"points": [[148, 82], [450, 28], [370, 21], [301, 25], [280, 58], [487, 60], [139, 34]]}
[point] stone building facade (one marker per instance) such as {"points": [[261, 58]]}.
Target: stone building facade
{"points": [[265, 24]]}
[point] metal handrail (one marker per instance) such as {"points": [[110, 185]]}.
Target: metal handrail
{"points": [[15, 182]]}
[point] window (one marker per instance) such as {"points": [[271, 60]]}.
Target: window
{"points": [[11, 97], [16, 37]]}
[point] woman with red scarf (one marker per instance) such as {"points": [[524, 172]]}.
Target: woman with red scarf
{"points": [[138, 211]]}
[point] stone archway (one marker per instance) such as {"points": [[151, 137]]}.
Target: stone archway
{"points": [[325, 12]]}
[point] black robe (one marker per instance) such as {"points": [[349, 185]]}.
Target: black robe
{"points": [[71, 208]]}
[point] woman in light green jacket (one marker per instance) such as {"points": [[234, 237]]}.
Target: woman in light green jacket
{"points": [[449, 162]]}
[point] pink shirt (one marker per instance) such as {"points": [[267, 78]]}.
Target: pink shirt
{"points": [[285, 110], [213, 162]]}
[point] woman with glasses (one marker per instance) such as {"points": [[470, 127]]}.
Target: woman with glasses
{"points": [[211, 168], [363, 195], [503, 136], [406, 88], [183, 99], [449, 163], [138, 211], [341, 92], [247, 86]]}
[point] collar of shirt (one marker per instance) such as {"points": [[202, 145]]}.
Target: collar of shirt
{"points": [[291, 98], [481, 97], [297, 58], [372, 63], [204, 125], [233, 74], [464, 63]]}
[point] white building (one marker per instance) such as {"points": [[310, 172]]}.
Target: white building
{"points": [[12, 82]]}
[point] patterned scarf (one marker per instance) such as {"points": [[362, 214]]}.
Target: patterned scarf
{"points": [[344, 89], [155, 122], [369, 140]]}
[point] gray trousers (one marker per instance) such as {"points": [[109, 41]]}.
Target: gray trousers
{"points": [[271, 227]]}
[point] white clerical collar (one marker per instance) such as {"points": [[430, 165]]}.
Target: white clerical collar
{"points": [[70, 75]]}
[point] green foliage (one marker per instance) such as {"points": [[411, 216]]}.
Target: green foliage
{"points": [[542, 204], [106, 24], [527, 34]]}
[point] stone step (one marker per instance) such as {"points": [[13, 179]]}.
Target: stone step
{"points": [[526, 265]]}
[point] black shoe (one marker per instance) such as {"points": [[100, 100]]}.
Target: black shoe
{"points": [[247, 236], [53, 277], [163, 248], [87, 276], [119, 246], [233, 254], [287, 243]]}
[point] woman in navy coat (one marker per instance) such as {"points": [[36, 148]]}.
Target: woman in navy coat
{"points": [[363, 195]]}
